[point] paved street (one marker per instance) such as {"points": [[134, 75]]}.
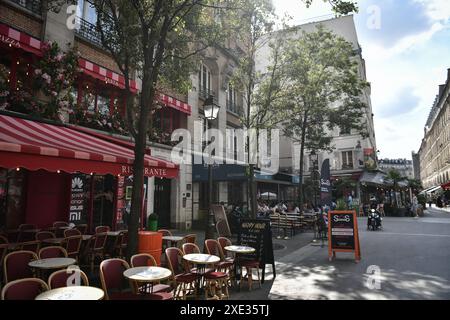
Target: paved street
{"points": [[413, 255]]}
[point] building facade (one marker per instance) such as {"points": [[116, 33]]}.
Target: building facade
{"points": [[434, 151], [403, 166], [416, 165], [352, 153]]}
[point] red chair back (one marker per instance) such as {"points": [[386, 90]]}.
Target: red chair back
{"points": [[190, 238], [16, 265], [71, 232], [72, 246], [59, 224], [26, 226], [31, 246], [174, 257], [52, 252], [165, 232], [24, 289], [3, 251], [111, 275], [213, 247], [59, 279], [143, 260], [189, 248], [100, 241], [102, 229], [225, 242], [43, 235]]}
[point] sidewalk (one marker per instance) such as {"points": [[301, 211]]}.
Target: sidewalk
{"points": [[444, 210]]}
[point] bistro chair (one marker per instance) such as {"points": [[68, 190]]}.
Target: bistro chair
{"points": [[15, 265], [249, 265], [30, 246], [3, 239], [71, 232], [60, 224], [222, 228], [24, 289], [3, 251], [213, 247], [44, 235], [189, 238], [26, 226], [144, 260], [102, 229], [52, 252], [116, 286], [183, 281], [190, 248], [72, 246], [96, 248], [59, 279], [121, 244], [225, 242], [25, 236], [83, 228]]}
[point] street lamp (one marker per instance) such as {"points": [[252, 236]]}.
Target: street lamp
{"points": [[314, 158], [211, 111]]}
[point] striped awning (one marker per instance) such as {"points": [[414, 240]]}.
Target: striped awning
{"points": [[35, 145], [17, 39], [174, 103], [105, 75]]}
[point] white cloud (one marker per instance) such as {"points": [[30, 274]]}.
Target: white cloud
{"points": [[436, 10]]}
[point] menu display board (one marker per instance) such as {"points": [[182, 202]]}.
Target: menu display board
{"points": [[78, 200], [257, 234], [343, 233]]}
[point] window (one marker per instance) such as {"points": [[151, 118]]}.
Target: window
{"points": [[231, 98], [204, 82], [103, 104], [345, 131], [86, 11], [347, 160]]}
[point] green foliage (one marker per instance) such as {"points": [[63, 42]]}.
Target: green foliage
{"points": [[340, 7], [343, 185], [341, 205], [153, 217]]}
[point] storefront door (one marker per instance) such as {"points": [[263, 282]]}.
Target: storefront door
{"points": [[162, 202]]}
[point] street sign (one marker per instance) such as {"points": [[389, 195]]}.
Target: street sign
{"points": [[343, 233], [256, 233]]}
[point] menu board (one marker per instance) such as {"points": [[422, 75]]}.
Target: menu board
{"points": [[120, 205], [256, 233], [78, 200], [343, 233]]}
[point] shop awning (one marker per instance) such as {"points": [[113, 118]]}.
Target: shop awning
{"points": [[374, 178], [105, 75], [17, 39], [36, 145], [432, 190], [446, 186], [174, 103]]}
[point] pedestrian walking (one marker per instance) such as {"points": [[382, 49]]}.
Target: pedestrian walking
{"points": [[414, 206]]}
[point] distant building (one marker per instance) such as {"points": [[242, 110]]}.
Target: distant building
{"points": [[403, 166], [416, 165], [434, 151]]}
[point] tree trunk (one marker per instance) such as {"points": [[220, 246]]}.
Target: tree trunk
{"points": [[252, 190], [302, 153], [138, 166]]}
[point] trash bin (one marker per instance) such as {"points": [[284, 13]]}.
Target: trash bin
{"points": [[151, 243]]}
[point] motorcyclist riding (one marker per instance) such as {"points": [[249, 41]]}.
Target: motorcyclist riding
{"points": [[374, 220]]}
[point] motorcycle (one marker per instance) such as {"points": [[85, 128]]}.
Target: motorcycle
{"points": [[374, 221]]}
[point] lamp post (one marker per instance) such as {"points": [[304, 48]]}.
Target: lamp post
{"points": [[314, 158], [211, 111]]}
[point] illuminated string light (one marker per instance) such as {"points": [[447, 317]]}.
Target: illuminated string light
{"points": [[18, 169]]}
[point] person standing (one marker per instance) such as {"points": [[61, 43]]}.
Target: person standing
{"points": [[415, 206]]}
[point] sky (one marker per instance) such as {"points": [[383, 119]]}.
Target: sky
{"points": [[406, 45]]}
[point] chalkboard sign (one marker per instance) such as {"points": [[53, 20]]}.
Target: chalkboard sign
{"points": [[257, 234], [343, 233]]}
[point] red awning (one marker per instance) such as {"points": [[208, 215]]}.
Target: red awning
{"points": [[35, 145], [174, 103], [105, 75], [446, 186], [21, 40]]}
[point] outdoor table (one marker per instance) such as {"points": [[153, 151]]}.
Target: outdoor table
{"points": [[239, 250], [54, 241], [42, 265], [201, 260], [113, 233], [173, 240], [147, 275], [72, 293]]}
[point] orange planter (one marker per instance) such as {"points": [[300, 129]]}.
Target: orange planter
{"points": [[151, 243]]}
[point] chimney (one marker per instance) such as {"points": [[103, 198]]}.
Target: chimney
{"points": [[448, 75], [441, 90]]}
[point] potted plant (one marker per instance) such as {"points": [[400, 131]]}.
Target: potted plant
{"points": [[341, 205], [152, 222]]}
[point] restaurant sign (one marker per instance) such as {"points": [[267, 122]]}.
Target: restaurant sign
{"points": [[78, 201], [151, 172], [343, 233], [10, 41]]}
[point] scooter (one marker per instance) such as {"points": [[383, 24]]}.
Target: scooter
{"points": [[374, 221]]}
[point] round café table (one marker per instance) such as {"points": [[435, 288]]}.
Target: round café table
{"points": [[201, 260], [173, 240], [147, 275], [50, 263], [239, 250], [72, 293]]}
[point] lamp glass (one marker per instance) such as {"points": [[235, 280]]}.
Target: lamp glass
{"points": [[211, 109]]}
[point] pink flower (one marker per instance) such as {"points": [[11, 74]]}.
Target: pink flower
{"points": [[4, 93], [47, 78], [54, 93], [59, 57], [38, 72]]}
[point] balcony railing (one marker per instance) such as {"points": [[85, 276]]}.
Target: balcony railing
{"points": [[34, 6], [88, 31], [204, 93]]}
